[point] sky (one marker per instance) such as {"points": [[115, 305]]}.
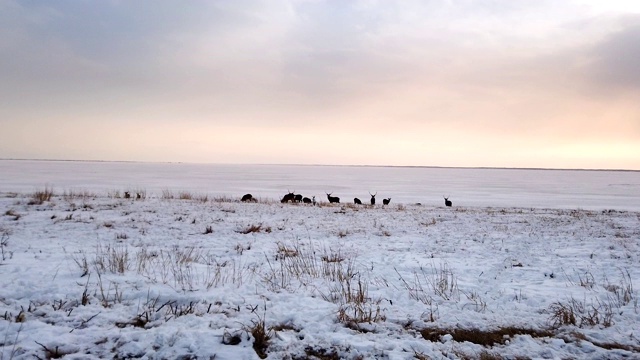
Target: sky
{"points": [[495, 83]]}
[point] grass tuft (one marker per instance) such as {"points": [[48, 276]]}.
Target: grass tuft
{"points": [[254, 229], [581, 314], [13, 213], [261, 336], [40, 196]]}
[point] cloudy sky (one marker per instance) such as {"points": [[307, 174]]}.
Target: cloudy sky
{"points": [[507, 83]]}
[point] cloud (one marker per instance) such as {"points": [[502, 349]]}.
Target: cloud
{"points": [[613, 62], [409, 73]]}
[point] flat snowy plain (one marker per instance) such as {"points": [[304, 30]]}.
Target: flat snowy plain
{"points": [[188, 271]]}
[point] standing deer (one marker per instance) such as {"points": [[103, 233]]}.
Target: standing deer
{"points": [[127, 195], [332, 199], [289, 197], [386, 201], [373, 197], [297, 198], [447, 202], [357, 201]]}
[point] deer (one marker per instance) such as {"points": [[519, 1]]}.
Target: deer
{"points": [[306, 200], [247, 197], [332, 199], [297, 198], [373, 197], [357, 201], [127, 195], [289, 197], [386, 201], [447, 202]]}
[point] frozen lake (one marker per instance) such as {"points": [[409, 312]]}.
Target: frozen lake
{"points": [[593, 190]]}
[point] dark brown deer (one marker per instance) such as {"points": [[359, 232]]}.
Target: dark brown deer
{"points": [[297, 198], [306, 200], [357, 201], [127, 195], [373, 197], [289, 197], [386, 201], [247, 197], [332, 199], [447, 202]]}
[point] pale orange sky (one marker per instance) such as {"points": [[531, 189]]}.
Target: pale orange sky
{"points": [[505, 83]]}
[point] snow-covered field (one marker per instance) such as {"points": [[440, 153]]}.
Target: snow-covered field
{"points": [[93, 275], [186, 274], [558, 189]]}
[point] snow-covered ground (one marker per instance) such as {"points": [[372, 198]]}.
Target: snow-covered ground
{"points": [[90, 274]]}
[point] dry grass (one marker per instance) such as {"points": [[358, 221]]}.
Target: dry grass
{"points": [[186, 195], [53, 352], [623, 291], [113, 194], [78, 194], [319, 353], [261, 336], [110, 296], [255, 228], [298, 264], [167, 194], [83, 263], [4, 243], [224, 199], [332, 257], [562, 314], [587, 280], [439, 281], [476, 301], [114, 259], [12, 213], [41, 196], [292, 262], [356, 306], [483, 337], [285, 251], [581, 314], [173, 266], [190, 268], [429, 222], [574, 336]]}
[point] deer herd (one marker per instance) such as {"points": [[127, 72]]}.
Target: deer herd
{"points": [[292, 197]]}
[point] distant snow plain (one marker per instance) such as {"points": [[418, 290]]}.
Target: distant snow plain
{"points": [[188, 271]]}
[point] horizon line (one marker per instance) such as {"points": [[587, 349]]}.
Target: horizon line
{"points": [[334, 165]]}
